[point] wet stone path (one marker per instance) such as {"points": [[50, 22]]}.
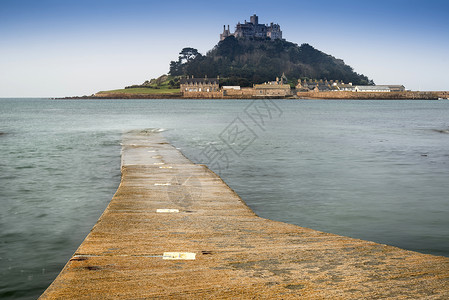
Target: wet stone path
{"points": [[175, 230]]}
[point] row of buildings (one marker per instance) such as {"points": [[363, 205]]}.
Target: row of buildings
{"points": [[339, 86], [210, 86], [279, 88]]}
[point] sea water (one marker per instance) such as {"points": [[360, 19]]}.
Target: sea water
{"points": [[374, 170]]}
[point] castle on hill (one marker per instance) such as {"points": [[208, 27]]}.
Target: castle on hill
{"points": [[253, 29]]}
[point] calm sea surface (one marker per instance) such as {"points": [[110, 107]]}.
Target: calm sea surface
{"points": [[375, 170]]}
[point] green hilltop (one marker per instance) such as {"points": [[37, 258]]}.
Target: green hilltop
{"points": [[246, 62]]}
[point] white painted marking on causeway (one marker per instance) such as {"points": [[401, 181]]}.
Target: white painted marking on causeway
{"points": [[179, 255], [167, 210]]}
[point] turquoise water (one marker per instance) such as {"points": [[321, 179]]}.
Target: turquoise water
{"points": [[375, 170]]}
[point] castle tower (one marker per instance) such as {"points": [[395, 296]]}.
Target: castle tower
{"points": [[254, 19], [225, 34], [274, 31]]}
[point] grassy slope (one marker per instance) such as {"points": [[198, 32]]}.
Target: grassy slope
{"points": [[141, 91], [160, 85]]}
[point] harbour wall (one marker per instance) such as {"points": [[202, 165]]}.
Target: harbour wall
{"points": [[372, 95]]}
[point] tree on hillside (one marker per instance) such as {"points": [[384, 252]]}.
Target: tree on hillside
{"points": [[175, 68], [186, 55]]}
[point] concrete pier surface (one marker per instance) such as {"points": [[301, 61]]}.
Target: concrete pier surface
{"points": [[175, 230]]}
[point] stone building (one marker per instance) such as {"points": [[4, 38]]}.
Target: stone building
{"points": [[316, 85], [372, 88], [253, 29], [379, 88], [196, 85], [397, 88], [273, 88], [344, 87]]}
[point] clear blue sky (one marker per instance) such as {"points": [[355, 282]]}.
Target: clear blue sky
{"points": [[51, 48]]}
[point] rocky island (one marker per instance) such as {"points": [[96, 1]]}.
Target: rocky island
{"points": [[256, 62]]}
